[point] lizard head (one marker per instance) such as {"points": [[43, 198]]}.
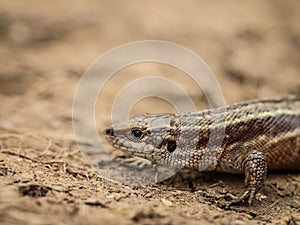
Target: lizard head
{"points": [[148, 136]]}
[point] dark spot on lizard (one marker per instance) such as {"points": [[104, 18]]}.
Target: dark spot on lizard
{"points": [[171, 146], [109, 131]]}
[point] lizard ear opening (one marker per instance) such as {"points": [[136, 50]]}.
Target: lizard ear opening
{"points": [[171, 146]]}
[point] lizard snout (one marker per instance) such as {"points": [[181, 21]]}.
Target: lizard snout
{"points": [[109, 131]]}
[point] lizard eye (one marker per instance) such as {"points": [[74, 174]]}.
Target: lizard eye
{"points": [[171, 146], [137, 133]]}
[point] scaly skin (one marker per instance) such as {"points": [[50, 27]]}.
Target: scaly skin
{"points": [[248, 137]]}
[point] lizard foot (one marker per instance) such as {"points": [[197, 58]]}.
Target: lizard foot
{"points": [[136, 161], [247, 196], [254, 165]]}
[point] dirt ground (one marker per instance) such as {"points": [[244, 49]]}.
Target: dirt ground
{"points": [[253, 47]]}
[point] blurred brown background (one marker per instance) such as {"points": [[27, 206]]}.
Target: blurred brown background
{"points": [[251, 46]]}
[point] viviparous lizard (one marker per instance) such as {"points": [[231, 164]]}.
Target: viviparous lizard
{"points": [[250, 137]]}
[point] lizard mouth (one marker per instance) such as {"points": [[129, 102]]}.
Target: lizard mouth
{"points": [[110, 136]]}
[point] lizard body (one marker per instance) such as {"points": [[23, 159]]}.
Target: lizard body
{"points": [[248, 137]]}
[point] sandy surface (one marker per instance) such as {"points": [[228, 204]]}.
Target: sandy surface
{"points": [[253, 47]]}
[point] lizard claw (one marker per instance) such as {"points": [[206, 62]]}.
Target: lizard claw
{"points": [[248, 195]]}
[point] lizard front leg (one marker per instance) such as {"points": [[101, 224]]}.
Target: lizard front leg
{"points": [[253, 164]]}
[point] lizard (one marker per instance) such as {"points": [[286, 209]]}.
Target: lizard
{"points": [[249, 138]]}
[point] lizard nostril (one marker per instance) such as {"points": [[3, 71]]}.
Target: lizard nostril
{"points": [[109, 131]]}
